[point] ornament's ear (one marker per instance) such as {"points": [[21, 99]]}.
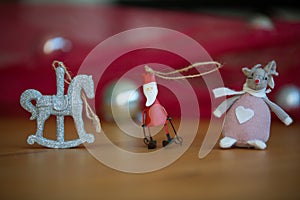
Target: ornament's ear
{"points": [[271, 82], [246, 71], [270, 68]]}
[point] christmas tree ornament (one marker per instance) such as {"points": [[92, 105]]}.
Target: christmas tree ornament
{"points": [[248, 119], [288, 97], [61, 105], [123, 98], [154, 113]]}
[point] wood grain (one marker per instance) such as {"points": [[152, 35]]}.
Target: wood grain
{"points": [[34, 172]]}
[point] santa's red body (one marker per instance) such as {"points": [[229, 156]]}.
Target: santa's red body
{"points": [[154, 115]]}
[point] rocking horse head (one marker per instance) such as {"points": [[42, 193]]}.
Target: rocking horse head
{"points": [[82, 82]]}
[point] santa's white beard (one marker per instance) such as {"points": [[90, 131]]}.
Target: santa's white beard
{"points": [[150, 94]]}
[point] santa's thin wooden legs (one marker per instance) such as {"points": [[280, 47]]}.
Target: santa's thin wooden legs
{"points": [[148, 140], [177, 139]]}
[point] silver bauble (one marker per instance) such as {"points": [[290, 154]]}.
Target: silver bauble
{"points": [[288, 97], [121, 101]]}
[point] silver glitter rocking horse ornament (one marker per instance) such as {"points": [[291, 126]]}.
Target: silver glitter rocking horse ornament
{"points": [[62, 105]]}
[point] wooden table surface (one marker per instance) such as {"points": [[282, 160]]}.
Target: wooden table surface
{"points": [[33, 172]]}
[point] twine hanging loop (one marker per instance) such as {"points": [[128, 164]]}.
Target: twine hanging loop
{"points": [[168, 75]]}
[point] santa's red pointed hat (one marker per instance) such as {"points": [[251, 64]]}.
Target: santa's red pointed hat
{"points": [[148, 77]]}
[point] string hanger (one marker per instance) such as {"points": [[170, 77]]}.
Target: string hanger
{"points": [[88, 110], [166, 75]]}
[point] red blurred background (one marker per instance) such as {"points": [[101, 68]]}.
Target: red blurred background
{"points": [[234, 41]]}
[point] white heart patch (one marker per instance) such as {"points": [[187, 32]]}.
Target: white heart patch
{"points": [[243, 114]]}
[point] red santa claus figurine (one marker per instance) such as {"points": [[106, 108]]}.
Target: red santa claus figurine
{"points": [[155, 114]]}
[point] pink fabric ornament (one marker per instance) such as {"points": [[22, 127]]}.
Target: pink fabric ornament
{"points": [[248, 120]]}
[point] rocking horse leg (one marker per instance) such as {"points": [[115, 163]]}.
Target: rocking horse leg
{"points": [[44, 114], [60, 128], [40, 127], [77, 116]]}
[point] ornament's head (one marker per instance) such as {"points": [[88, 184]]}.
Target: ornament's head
{"points": [[150, 88], [259, 78]]}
